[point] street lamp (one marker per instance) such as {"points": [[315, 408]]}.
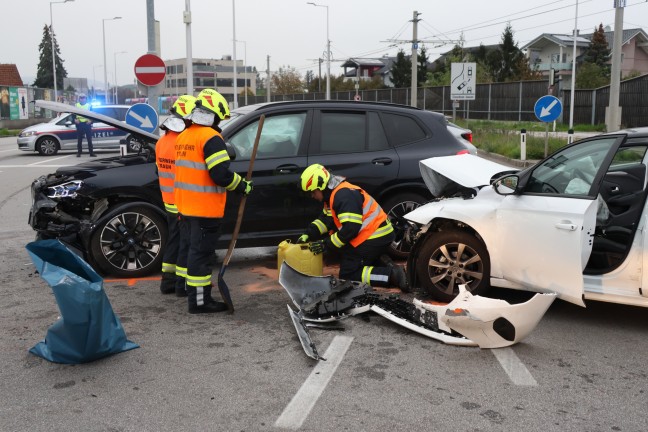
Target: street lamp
{"points": [[328, 51], [103, 28], [53, 49], [245, 68], [115, 62]]}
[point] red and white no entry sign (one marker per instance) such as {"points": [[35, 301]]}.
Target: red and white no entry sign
{"points": [[150, 69]]}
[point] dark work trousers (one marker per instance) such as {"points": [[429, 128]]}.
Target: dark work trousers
{"points": [[181, 260], [203, 235], [169, 261], [357, 263], [84, 129]]}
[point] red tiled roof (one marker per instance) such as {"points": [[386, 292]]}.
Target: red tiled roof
{"points": [[9, 75]]}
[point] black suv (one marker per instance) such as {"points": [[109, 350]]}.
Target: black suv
{"points": [[111, 209]]}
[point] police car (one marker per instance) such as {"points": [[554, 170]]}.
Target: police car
{"points": [[60, 133]]}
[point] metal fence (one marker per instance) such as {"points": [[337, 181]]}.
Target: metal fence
{"points": [[511, 101]]}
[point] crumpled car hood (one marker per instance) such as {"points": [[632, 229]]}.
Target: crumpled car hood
{"points": [[467, 170], [101, 164]]}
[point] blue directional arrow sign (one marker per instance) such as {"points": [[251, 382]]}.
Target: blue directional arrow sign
{"points": [[142, 116], [548, 108]]}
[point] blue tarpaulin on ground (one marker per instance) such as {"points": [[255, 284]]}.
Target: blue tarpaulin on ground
{"points": [[88, 328]]}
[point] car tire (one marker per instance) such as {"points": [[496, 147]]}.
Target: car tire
{"points": [[396, 207], [440, 270], [130, 242], [47, 146], [132, 145]]}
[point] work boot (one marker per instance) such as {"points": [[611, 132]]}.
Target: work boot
{"points": [[180, 289], [209, 305], [168, 283], [398, 278]]}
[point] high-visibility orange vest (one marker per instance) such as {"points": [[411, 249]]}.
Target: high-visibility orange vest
{"points": [[196, 194], [372, 216], [165, 154]]}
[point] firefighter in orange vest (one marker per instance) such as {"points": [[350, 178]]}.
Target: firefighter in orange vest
{"points": [[360, 228], [202, 180], [165, 160]]}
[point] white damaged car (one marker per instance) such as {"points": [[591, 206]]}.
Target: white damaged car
{"points": [[573, 224]]}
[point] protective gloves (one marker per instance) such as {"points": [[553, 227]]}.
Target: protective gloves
{"points": [[247, 187], [302, 238], [317, 247]]}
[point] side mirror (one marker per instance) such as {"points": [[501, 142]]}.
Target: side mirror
{"points": [[506, 185], [69, 123]]}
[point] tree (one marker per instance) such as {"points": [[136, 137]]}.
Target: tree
{"points": [[505, 63], [598, 51], [287, 81], [44, 74], [590, 76], [401, 71]]}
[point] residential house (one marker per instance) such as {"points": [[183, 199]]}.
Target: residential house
{"points": [[9, 75]]}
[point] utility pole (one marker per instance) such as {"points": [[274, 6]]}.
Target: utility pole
{"points": [[415, 20], [268, 79], [186, 18], [613, 117], [153, 91]]}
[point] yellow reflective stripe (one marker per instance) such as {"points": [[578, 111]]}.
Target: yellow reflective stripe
{"points": [[217, 158], [327, 211], [366, 274], [198, 281], [320, 226], [181, 271], [171, 208], [350, 217], [336, 241], [383, 231], [235, 182], [168, 268]]}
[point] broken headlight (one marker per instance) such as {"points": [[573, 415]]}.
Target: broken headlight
{"points": [[64, 190]]}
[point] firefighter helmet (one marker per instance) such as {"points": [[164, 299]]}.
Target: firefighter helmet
{"points": [[214, 102], [183, 106], [314, 177]]}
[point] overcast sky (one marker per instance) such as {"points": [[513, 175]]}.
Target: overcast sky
{"points": [[291, 32]]}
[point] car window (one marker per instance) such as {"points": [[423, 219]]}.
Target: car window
{"points": [[629, 155], [402, 129], [65, 119], [571, 171], [343, 132], [116, 113], [280, 137]]}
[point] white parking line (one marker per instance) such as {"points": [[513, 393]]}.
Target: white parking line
{"points": [[514, 368], [304, 400]]}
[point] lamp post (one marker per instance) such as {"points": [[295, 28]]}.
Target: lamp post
{"points": [[103, 28], [245, 68], [53, 49], [115, 62], [328, 51]]}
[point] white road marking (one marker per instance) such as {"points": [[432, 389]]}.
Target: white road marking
{"points": [[2, 151], [48, 160], [514, 368], [304, 400]]}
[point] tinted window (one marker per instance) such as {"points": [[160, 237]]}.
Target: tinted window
{"points": [[343, 132], [377, 137], [402, 129], [280, 137], [112, 112]]}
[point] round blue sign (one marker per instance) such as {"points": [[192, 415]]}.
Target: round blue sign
{"points": [[548, 108], [142, 116]]}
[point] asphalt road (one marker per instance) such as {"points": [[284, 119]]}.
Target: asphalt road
{"points": [[580, 370]]}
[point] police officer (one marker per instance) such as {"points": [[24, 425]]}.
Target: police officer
{"points": [[202, 180], [83, 127], [361, 229], [165, 154]]}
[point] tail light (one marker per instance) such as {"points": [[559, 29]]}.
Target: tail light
{"points": [[467, 136], [463, 152]]}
